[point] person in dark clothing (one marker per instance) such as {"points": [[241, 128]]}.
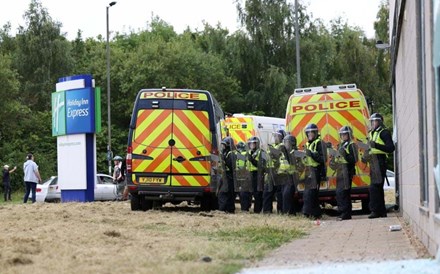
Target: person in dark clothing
{"points": [[272, 184], [315, 171], [344, 165], [256, 167], [288, 175], [381, 144], [7, 181], [226, 194]]}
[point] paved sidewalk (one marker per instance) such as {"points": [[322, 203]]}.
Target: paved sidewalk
{"points": [[334, 246]]}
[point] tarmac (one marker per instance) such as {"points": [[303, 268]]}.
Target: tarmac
{"points": [[358, 245]]}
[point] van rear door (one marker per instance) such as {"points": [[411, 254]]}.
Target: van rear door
{"points": [[330, 111], [171, 141]]}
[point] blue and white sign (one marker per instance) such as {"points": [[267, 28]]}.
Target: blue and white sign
{"points": [[80, 111], [73, 122]]}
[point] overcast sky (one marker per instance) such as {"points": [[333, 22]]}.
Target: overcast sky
{"points": [[126, 15]]}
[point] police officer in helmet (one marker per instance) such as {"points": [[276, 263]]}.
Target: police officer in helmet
{"points": [[381, 144], [315, 171], [272, 185], [288, 175], [344, 164], [226, 194], [256, 165]]}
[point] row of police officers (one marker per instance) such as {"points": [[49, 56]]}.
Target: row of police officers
{"points": [[274, 174]]}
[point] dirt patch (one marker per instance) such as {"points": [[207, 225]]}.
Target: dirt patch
{"points": [[107, 237], [422, 251]]}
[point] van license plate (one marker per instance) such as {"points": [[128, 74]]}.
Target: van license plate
{"points": [[151, 180]]}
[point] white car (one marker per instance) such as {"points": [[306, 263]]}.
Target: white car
{"points": [[390, 176], [105, 190]]}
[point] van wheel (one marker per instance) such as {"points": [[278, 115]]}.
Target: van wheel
{"points": [[134, 202], [157, 204], [145, 204]]}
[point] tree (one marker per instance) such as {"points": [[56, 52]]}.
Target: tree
{"points": [[42, 56]]}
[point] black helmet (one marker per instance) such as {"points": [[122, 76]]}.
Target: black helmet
{"points": [[311, 128], [376, 117], [228, 142], [280, 133], [241, 146], [254, 140], [346, 130], [290, 141], [117, 158]]}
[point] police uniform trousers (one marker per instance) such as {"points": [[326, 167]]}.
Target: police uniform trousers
{"points": [[246, 197], [290, 203], [226, 195], [311, 206], [378, 171], [343, 191], [272, 188]]}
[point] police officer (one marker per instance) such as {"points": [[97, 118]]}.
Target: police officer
{"points": [[256, 165], [272, 185], [344, 164], [242, 176], [315, 171], [226, 195], [381, 144], [288, 175]]}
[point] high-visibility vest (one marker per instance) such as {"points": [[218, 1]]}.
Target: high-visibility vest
{"points": [[285, 167], [251, 166], [312, 147], [375, 136], [341, 159], [240, 164], [271, 163]]}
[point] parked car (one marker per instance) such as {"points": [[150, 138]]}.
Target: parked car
{"points": [[105, 190], [390, 176]]}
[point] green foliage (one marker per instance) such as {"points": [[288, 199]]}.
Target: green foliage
{"points": [[252, 70], [267, 236]]}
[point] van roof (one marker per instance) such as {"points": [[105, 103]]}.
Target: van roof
{"points": [[324, 89]]}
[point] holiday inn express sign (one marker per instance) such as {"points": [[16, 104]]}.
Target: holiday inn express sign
{"points": [[76, 117], [74, 111]]}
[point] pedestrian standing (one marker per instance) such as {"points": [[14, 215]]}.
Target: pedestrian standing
{"points": [[31, 177], [314, 172], [7, 181], [117, 169], [381, 144], [344, 164]]}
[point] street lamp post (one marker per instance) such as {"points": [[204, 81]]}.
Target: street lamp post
{"points": [[298, 62], [109, 144]]}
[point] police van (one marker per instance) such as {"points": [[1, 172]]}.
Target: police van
{"points": [[173, 148], [330, 108], [241, 127]]}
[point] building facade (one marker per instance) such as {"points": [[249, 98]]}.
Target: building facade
{"points": [[415, 87]]}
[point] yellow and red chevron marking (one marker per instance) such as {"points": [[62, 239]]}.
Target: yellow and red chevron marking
{"points": [[189, 180], [236, 130], [190, 131], [330, 112], [153, 131], [193, 139]]}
